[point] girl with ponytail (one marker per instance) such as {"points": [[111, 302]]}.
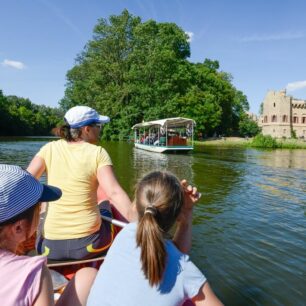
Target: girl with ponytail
{"points": [[145, 267]]}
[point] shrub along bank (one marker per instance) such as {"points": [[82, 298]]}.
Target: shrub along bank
{"points": [[259, 141]]}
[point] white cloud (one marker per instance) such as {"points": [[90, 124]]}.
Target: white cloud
{"points": [[296, 85], [190, 36], [13, 64], [273, 37]]}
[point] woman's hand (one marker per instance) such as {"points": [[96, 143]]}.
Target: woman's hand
{"points": [[191, 196]]}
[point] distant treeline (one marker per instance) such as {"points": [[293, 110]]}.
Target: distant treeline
{"points": [[21, 117]]}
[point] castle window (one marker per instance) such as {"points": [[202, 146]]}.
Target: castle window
{"points": [[295, 119], [274, 118], [274, 104], [265, 119], [285, 118], [304, 119]]}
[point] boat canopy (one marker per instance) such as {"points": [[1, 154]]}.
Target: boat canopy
{"points": [[168, 122]]}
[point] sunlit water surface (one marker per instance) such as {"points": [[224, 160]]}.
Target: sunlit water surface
{"points": [[249, 234]]}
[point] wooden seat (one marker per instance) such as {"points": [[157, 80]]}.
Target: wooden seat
{"points": [[162, 141], [67, 262]]}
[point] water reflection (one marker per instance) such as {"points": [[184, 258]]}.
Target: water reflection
{"points": [[282, 158], [180, 164]]}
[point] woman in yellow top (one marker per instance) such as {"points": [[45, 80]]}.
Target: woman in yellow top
{"points": [[73, 228]]}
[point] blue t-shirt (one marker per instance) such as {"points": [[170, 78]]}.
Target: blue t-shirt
{"points": [[121, 282]]}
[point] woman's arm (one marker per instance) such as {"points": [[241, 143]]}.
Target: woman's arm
{"points": [[206, 297], [37, 167], [182, 236], [116, 195], [45, 295], [183, 233]]}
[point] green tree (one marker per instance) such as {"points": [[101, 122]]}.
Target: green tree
{"points": [[130, 71], [5, 120], [231, 102], [248, 127], [133, 71]]}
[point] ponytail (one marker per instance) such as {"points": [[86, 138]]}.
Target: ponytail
{"points": [[150, 239], [67, 133], [62, 131], [159, 198]]}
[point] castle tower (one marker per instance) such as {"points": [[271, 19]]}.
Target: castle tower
{"points": [[282, 115]]}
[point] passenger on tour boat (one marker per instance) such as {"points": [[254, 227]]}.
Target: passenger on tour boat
{"points": [[26, 280], [145, 267], [73, 228]]}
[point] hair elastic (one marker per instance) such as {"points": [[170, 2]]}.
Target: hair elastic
{"points": [[150, 209]]}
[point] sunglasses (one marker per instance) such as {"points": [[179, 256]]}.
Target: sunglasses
{"points": [[98, 125]]}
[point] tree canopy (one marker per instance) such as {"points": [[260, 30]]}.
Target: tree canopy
{"points": [[133, 71]]}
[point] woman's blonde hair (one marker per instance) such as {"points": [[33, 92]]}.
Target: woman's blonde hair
{"points": [[67, 133], [159, 198]]}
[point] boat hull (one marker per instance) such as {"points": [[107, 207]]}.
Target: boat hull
{"points": [[163, 149]]}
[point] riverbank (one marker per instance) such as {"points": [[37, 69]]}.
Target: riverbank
{"points": [[247, 142], [225, 142]]}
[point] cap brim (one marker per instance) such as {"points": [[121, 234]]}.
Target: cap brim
{"points": [[104, 119], [50, 193]]}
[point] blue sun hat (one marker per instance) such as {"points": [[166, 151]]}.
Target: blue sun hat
{"points": [[79, 116], [19, 191]]}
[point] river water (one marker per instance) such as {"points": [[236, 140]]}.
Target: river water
{"points": [[249, 229]]}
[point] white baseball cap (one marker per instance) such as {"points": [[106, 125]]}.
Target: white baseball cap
{"points": [[19, 191], [79, 116]]}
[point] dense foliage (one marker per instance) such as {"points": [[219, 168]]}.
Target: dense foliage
{"points": [[20, 117], [264, 141], [134, 71], [247, 126]]}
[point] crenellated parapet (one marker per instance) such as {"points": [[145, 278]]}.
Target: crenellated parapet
{"points": [[299, 105]]}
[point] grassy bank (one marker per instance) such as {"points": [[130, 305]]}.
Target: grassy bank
{"points": [[258, 142], [291, 144], [224, 142]]}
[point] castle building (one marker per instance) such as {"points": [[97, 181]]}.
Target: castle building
{"points": [[283, 116]]}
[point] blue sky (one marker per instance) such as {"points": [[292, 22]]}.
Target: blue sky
{"points": [[262, 43]]}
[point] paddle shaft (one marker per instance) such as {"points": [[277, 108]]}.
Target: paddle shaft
{"points": [[114, 221]]}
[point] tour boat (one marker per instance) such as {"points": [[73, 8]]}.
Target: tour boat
{"points": [[165, 135]]}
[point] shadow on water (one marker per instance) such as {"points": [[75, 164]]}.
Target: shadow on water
{"points": [[249, 227]]}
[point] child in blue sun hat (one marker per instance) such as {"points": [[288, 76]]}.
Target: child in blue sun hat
{"points": [[26, 280]]}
